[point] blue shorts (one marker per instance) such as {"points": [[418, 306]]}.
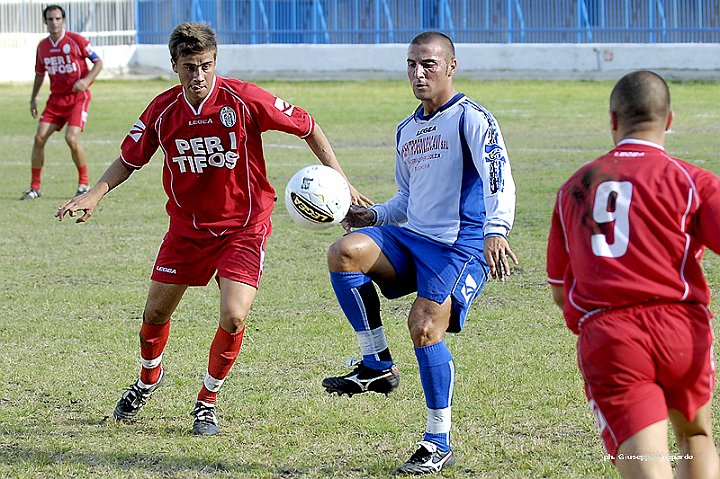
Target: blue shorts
{"points": [[433, 269]]}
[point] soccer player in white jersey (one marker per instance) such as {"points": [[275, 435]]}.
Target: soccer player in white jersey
{"points": [[441, 235], [209, 129]]}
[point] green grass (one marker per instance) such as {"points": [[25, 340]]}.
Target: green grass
{"points": [[72, 297]]}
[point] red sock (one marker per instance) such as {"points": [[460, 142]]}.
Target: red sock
{"points": [[83, 175], [153, 338], [35, 178], [223, 352]]}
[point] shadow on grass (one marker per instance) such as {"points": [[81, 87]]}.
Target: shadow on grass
{"points": [[161, 463], [171, 452]]}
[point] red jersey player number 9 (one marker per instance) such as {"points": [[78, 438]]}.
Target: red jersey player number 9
{"points": [[612, 204]]}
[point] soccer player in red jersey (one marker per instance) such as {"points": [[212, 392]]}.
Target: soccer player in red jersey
{"points": [[63, 56], [624, 263], [219, 202]]}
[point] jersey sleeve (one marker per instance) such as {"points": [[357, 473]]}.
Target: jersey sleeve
{"points": [[490, 157], [394, 210], [557, 254], [141, 142], [39, 63], [273, 113], [706, 222]]}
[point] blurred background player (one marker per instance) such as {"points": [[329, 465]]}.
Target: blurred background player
{"points": [[440, 236], [626, 242], [62, 55], [219, 202]]}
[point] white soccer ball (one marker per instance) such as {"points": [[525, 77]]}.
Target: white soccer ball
{"points": [[317, 197]]}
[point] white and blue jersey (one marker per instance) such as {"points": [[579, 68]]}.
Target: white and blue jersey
{"points": [[453, 175]]}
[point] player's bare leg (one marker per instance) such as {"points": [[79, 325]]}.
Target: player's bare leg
{"points": [[696, 445], [235, 302], [645, 454], [161, 302], [37, 158], [353, 260], [427, 322], [79, 157]]}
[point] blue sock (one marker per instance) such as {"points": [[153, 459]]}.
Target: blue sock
{"points": [[361, 304], [437, 374]]}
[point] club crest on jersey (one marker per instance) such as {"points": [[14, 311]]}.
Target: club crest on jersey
{"points": [[284, 106], [228, 117], [66, 48]]}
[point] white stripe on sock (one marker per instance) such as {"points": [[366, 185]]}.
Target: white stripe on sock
{"points": [[373, 341], [439, 420], [213, 385], [151, 363]]}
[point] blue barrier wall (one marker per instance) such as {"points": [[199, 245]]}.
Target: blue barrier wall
{"points": [[466, 21]]}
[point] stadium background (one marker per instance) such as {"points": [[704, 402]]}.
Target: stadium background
{"points": [[346, 38]]}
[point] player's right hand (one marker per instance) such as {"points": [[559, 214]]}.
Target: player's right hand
{"points": [[33, 109]]}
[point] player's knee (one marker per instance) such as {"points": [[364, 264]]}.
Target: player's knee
{"points": [[153, 315], [233, 321], [40, 140], [344, 255], [156, 312], [73, 141]]}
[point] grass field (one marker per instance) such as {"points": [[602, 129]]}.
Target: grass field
{"points": [[72, 297]]}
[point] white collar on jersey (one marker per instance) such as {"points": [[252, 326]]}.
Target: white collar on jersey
{"points": [[635, 141]]}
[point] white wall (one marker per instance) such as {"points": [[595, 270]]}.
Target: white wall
{"points": [[553, 61]]}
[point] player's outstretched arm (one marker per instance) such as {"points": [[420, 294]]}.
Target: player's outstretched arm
{"points": [[497, 251], [320, 146], [85, 204]]}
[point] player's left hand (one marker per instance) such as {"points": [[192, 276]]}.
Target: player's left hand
{"points": [[497, 251]]}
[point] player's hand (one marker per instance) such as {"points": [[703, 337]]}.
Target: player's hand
{"points": [[80, 207], [357, 217], [33, 108], [358, 198], [497, 251], [80, 85]]}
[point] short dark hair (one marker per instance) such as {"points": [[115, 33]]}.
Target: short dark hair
{"points": [[640, 97], [191, 39], [431, 36], [53, 7]]}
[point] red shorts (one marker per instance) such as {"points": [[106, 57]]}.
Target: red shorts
{"points": [[71, 109], [235, 256], [640, 361]]}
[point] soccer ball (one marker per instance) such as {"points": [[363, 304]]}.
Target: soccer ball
{"points": [[317, 197]]}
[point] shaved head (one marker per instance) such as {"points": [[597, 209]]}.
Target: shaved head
{"points": [[640, 100], [443, 40]]}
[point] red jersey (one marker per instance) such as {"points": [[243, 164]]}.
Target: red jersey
{"points": [[64, 61], [214, 170], [629, 228]]}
